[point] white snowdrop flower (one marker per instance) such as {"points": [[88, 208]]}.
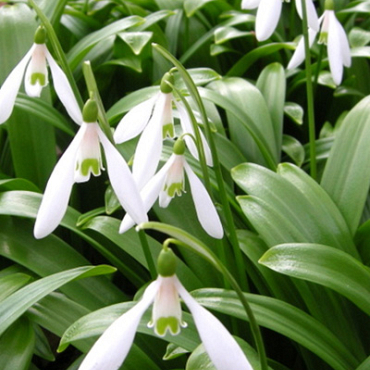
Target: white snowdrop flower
{"points": [[111, 349], [170, 181], [334, 36], [268, 14], [33, 67], [81, 159]]}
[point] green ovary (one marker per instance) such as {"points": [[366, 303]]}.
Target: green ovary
{"points": [[174, 189], [171, 323], [90, 164], [38, 77]]}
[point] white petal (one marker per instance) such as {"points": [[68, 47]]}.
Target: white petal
{"points": [[250, 4], [64, 90], [111, 349], [299, 54], [342, 36], [267, 18], [187, 127], [149, 148], [335, 49], [58, 190], [11, 85], [149, 194], [206, 211], [312, 19], [134, 121], [221, 347], [122, 181]]}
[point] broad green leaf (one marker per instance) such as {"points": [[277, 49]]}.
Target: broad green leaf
{"points": [[18, 184], [365, 365], [136, 40], [191, 6], [346, 177], [274, 76], [249, 119], [11, 283], [285, 319], [77, 53], [224, 34], [17, 346], [294, 149], [325, 266], [358, 37], [96, 322], [42, 346], [294, 111], [15, 305]]}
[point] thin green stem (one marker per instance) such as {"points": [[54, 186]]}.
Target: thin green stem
{"points": [[60, 55], [93, 90], [238, 257], [309, 91], [147, 254]]}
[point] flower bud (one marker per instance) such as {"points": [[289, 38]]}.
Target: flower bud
{"points": [[166, 263]]}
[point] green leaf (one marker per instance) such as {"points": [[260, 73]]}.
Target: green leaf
{"points": [[325, 266], [294, 111], [358, 37], [15, 305], [17, 346], [191, 6], [274, 75], [285, 319], [11, 283], [136, 40], [294, 149], [346, 177], [224, 34]]}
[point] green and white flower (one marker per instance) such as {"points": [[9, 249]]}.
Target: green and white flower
{"points": [[81, 159], [170, 181], [111, 349], [268, 14], [33, 67]]}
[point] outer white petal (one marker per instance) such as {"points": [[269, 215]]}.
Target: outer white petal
{"points": [[134, 121], [122, 181], [336, 26], [299, 54], [149, 194], [149, 148], [11, 85], [64, 90], [267, 18], [187, 127], [111, 349], [312, 18], [58, 189], [335, 44], [206, 211], [250, 4], [221, 347]]}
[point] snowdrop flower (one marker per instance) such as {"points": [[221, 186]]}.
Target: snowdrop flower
{"points": [[332, 34], [81, 159], [112, 347], [154, 119], [268, 14], [33, 66], [170, 181]]}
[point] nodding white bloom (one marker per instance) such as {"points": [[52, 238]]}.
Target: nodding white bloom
{"points": [[332, 34], [154, 119], [268, 14], [112, 347], [33, 67], [170, 181], [81, 159]]}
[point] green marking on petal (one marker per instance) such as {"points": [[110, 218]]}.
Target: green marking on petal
{"points": [[38, 77], [323, 38], [175, 188], [170, 323], [90, 164], [168, 130]]}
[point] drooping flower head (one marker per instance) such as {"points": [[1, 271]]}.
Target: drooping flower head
{"points": [[33, 68], [81, 159], [333, 35], [169, 182], [111, 349], [154, 119], [268, 14]]}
